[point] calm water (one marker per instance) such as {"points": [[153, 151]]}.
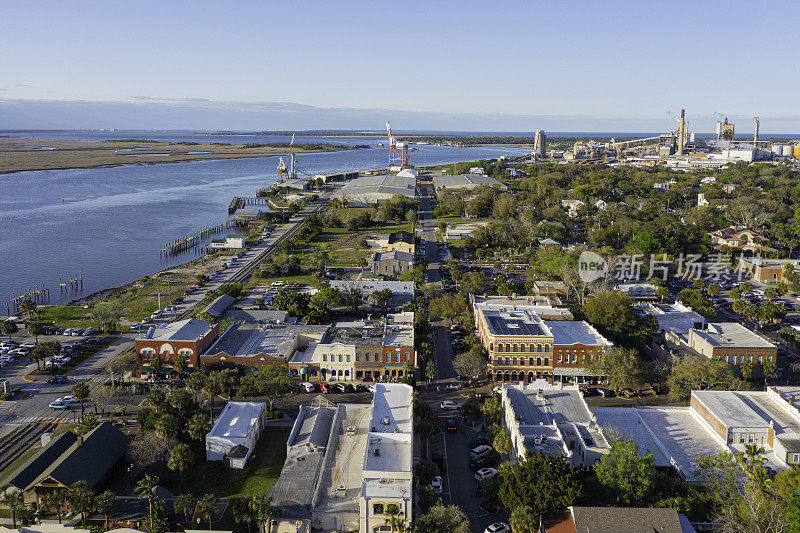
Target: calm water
{"points": [[110, 223]]}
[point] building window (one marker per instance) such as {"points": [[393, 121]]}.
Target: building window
{"points": [[574, 358], [546, 361], [358, 356], [348, 358], [514, 361], [377, 508], [760, 359], [491, 346], [340, 358], [538, 361], [741, 438], [508, 360], [324, 357], [521, 347], [546, 347], [559, 358], [508, 347], [531, 361], [796, 458]]}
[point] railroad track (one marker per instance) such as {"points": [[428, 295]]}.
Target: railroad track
{"points": [[22, 441], [246, 271]]}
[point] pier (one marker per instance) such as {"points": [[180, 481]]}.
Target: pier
{"points": [[194, 239], [240, 202]]}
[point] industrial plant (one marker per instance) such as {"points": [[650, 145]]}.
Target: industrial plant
{"points": [[679, 149]]}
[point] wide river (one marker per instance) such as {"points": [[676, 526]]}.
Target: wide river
{"points": [[110, 223]]}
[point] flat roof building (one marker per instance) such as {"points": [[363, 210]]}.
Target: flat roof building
{"points": [[466, 182], [731, 342], [189, 338], [257, 345], [370, 190], [347, 465]]}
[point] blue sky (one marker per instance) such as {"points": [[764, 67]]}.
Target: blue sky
{"points": [[610, 59]]}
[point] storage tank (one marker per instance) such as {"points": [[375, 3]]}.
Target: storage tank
{"points": [[797, 151], [788, 150], [776, 149]]}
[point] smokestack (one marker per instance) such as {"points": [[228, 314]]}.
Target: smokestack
{"points": [[755, 135], [682, 133]]}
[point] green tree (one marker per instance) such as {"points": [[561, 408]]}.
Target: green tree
{"points": [[181, 400], [180, 362], [539, 481], [28, 307], [382, 298], [621, 367], [181, 457], [156, 398], [425, 471], [13, 500], [394, 518], [430, 372], [502, 442], [81, 391], [273, 382], [167, 426], [701, 374], [768, 368], [205, 507], [713, 290], [54, 501], [747, 367], [36, 329], [146, 418], [263, 511], [427, 497], [45, 351], [8, 327], [625, 474], [492, 411], [184, 503], [104, 502], [195, 382], [87, 423], [469, 364], [147, 487], [81, 498], [613, 313], [524, 520], [440, 519], [198, 427]]}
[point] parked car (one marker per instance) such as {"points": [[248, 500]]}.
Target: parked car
{"points": [[483, 462], [605, 393], [437, 484], [485, 473], [136, 325], [477, 440], [450, 405], [309, 387], [498, 527]]}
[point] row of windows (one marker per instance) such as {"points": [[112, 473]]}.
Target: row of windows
{"points": [[575, 358], [367, 357], [345, 374], [521, 361], [735, 359], [378, 508], [519, 347]]}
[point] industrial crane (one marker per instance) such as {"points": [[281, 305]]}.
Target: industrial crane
{"points": [[289, 172], [398, 151]]}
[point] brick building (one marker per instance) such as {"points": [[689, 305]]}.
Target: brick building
{"points": [[524, 347], [731, 342], [189, 337]]}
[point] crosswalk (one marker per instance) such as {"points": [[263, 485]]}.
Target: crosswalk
{"points": [[91, 379], [7, 406], [42, 418]]}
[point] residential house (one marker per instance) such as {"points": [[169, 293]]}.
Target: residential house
{"points": [[740, 238], [390, 264]]}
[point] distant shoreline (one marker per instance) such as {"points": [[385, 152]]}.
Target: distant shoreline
{"points": [[25, 155]]}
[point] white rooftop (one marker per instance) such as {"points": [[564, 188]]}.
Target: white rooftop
{"points": [[390, 429], [566, 332], [183, 330], [236, 419], [732, 334]]}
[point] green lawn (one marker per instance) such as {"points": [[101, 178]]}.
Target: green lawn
{"points": [[66, 316], [214, 477]]}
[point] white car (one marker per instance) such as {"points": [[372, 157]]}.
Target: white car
{"points": [[437, 484], [485, 473], [69, 400], [450, 405], [308, 386], [498, 527], [278, 283], [498, 389]]}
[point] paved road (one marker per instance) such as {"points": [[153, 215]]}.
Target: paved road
{"points": [[425, 195], [442, 352]]}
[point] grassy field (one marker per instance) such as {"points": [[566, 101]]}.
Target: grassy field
{"points": [[261, 473], [18, 155]]}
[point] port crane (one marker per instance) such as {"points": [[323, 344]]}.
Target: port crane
{"points": [[289, 171], [398, 151]]}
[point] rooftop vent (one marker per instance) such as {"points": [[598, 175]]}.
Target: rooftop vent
{"points": [[385, 420], [377, 452]]}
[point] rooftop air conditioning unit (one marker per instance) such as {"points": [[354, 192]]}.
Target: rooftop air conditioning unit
{"points": [[377, 452], [385, 420]]}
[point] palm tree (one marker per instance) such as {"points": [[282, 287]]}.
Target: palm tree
{"points": [[206, 507], [54, 501], [180, 458], [28, 307], [8, 327], [104, 503], [36, 329], [753, 459], [147, 487], [199, 426], [195, 382], [261, 507], [184, 503], [81, 391], [81, 498], [87, 423], [13, 500]]}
